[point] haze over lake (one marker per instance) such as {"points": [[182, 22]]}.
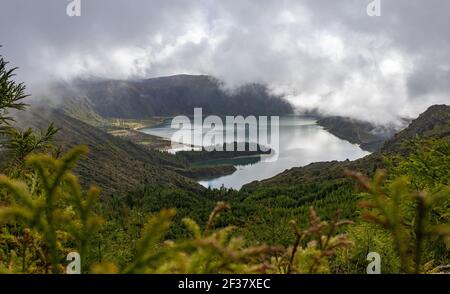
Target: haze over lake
{"points": [[302, 142]]}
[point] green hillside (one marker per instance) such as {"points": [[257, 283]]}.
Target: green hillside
{"points": [[325, 186], [114, 164]]}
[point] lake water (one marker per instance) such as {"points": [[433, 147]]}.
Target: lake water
{"points": [[301, 142]]}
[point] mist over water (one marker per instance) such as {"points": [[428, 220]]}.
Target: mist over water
{"points": [[302, 142]]}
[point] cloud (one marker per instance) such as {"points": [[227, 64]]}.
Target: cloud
{"points": [[323, 55]]}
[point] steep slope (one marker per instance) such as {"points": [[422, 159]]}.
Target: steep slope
{"points": [[435, 122], [169, 96], [82, 109], [114, 164]]}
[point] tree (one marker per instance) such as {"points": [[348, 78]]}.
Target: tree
{"points": [[11, 94], [18, 143]]}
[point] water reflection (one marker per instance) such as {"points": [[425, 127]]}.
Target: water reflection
{"points": [[302, 142]]}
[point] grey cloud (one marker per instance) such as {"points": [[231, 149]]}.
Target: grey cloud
{"points": [[320, 54]]}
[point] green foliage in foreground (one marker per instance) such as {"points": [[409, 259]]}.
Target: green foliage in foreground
{"points": [[50, 217], [52, 209], [47, 216], [406, 216]]}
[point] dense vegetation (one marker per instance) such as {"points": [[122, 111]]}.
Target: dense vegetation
{"points": [[306, 220]]}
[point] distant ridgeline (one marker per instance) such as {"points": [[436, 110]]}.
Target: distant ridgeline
{"points": [[171, 96]]}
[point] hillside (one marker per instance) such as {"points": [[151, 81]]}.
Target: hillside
{"points": [[368, 136], [325, 181], [435, 122], [113, 164], [169, 96]]}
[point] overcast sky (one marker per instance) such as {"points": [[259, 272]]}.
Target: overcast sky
{"points": [[322, 54]]}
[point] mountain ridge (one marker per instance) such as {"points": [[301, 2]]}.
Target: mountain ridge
{"points": [[171, 96]]}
